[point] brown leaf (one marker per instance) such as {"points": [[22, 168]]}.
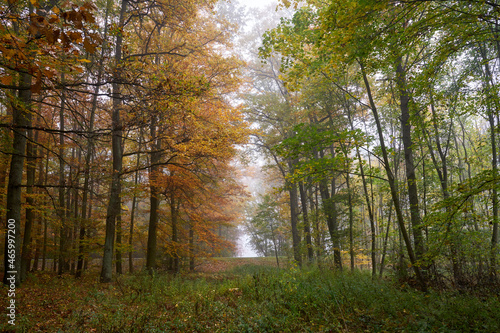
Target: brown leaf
{"points": [[89, 47], [49, 35], [75, 36], [65, 40], [33, 29], [7, 80], [88, 17], [48, 73], [37, 87]]}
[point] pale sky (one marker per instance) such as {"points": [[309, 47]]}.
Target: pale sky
{"points": [[257, 3], [245, 249]]}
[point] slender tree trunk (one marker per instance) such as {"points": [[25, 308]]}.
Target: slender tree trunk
{"points": [[392, 184], [351, 222], [443, 179], [117, 154], [44, 220], [76, 211], [307, 228], [368, 202], [404, 98], [36, 239], [119, 269], [294, 212], [88, 158], [174, 210], [62, 213], [31, 151], [274, 241], [132, 217], [191, 248], [384, 248], [317, 232], [154, 196], [494, 162]]}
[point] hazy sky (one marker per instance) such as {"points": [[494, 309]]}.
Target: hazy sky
{"points": [[245, 249], [257, 3]]}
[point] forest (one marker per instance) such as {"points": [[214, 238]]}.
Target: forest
{"points": [[354, 144]]}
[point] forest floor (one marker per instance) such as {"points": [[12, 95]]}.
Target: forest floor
{"points": [[243, 295]]}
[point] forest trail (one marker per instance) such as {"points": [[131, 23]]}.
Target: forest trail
{"points": [[220, 265]]}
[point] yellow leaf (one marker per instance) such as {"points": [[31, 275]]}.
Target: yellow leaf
{"points": [[55, 10], [84, 60]]}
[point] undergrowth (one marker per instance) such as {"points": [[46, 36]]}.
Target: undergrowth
{"points": [[248, 299]]}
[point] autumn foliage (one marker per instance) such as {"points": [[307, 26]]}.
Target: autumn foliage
{"points": [[88, 86]]}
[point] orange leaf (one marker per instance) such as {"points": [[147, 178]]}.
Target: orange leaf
{"points": [[7, 80]]}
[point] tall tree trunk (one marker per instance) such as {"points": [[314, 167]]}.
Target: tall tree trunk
{"points": [[351, 220], [82, 249], [38, 161], [21, 112], [44, 219], [132, 214], [117, 154], [404, 98], [386, 238], [367, 200], [317, 231], [154, 172], [174, 211], [31, 151], [62, 213], [119, 269], [307, 228], [489, 84], [294, 212], [392, 183], [330, 209], [442, 172], [191, 247], [76, 211]]}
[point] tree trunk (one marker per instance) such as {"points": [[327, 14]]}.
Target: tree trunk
{"points": [[386, 238], [82, 249], [392, 183], [174, 207], [411, 178], [317, 231], [368, 203], [351, 221], [116, 145], [31, 151], [294, 212], [132, 217], [21, 118], [62, 213], [307, 228], [119, 269], [191, 248], [494, 163], [154, 197]]}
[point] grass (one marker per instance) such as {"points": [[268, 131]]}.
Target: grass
{"points": [[247, 298]]}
